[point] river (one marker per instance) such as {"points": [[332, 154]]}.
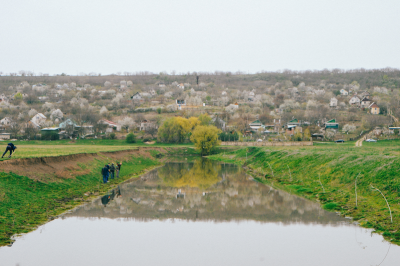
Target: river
{"points": [[199, 213]]}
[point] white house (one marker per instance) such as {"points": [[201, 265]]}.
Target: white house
{"points": [[111, 125], [6, 121], [354, 100], [333, 102], [38, 119], [136, 97], [365, 103], [344, 92], [224, 93]]}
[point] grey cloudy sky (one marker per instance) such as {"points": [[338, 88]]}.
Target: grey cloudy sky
{"points": [[102, 36]]}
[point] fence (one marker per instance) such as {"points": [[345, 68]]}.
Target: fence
{"points": [[267, 143]]}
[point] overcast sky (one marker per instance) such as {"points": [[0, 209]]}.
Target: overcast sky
{"points": [[110, 36]]}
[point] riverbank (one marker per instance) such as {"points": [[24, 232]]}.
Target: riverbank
{"points": [[328, 175], [36, 190]]}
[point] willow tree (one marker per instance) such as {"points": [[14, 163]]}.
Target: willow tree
{"points": [[205, 138]]}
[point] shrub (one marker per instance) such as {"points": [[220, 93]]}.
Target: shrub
{"points": [[131, 138], [112, 136], [50, 136]]}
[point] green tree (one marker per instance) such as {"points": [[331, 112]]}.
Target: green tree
{"points": [[130, 138], [205, 138], [307, 134], [18, 96], [205, 119]]}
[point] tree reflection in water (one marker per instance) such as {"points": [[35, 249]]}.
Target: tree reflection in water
{"points": [[212, 191]]}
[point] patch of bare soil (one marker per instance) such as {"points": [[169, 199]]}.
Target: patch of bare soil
{"points": [[47, 169]]}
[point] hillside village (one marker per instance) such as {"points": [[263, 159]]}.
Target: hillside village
{"points": [[285, 106]]}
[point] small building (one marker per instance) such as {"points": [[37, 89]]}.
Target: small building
{"points": [[136, 97], [256, 125], [112, 126], [331, 124], [294, 122], [365, 102], [354, 100], [344, 92], [180, 102], [38, 119], [6, 121], [4, 136], [293, 129], [374, 109], [333, 102]]}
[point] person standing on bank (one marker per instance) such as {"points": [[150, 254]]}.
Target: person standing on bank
{"points": [[104, 172], [10, 147], [118, 168], [112, 170]]}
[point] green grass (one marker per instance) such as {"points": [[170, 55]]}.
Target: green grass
{"points": [[26, 203], [337, 165], [29, 149]]}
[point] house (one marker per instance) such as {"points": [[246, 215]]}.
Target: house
{"points": [[333, 102], [38, 119], [374, 109], [331, 124], [5, 135], [354, 100], [3, 98], [256, 125], [161, 85], [344, 92], [146, 124], [293, 126], [294, 122], [68, 122], [364, 94], [152, 92], [181, 86], [224, 93], [6, 121], [112, 126], [180, 102], [365, 102], [293, 129], [136, 97]]}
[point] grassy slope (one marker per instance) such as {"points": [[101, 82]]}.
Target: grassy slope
{"points": [[26, 203], [337, 165]]}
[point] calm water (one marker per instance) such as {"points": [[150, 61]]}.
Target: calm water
{"points": [[199, 213]]}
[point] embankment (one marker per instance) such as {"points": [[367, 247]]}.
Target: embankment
{"points": [[35, 190], [341, 179]]}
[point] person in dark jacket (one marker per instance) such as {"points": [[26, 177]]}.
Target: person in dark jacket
{"points": [[10, 147], [112, 170], [104, 172], [118, 168]]}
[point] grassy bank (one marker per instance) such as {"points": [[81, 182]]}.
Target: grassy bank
{"points": [[327, 173], [26, 203]]}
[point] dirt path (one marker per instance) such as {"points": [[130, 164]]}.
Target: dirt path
{"points": [[360, 141]]}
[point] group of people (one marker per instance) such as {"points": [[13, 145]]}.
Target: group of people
{"points": [[108, 171]]}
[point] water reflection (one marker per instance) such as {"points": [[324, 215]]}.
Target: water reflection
{"points": [[203, 190]]}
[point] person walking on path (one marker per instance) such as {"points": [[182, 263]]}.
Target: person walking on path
{"points": [[118, 168], [10, 147], [104, 172], [112, 170]]}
